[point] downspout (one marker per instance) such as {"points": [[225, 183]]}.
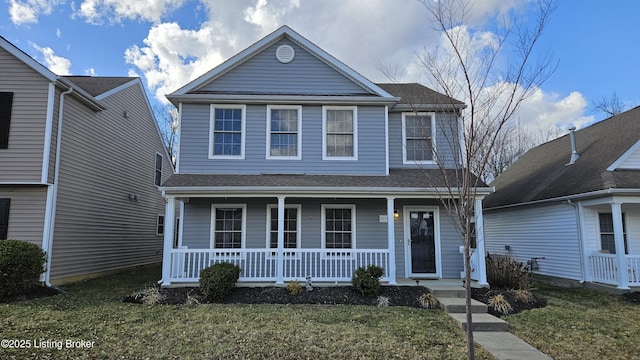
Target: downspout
{"points": [[583, 268], [56, 177]]}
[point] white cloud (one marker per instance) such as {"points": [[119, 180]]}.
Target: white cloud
{"points": [[90, 72], [57, 64], [548, 111], [27, 11], [114, 11]]}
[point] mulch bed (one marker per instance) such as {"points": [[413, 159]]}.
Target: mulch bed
{"points": [[632, 297], [35, 292], [484, 295], [334, 295]]}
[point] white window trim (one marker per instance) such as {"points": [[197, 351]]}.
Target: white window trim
{"points": [[161, 168], [323, 221], [212, 115], [212, 237], [164, 224], [355, 132], [284, 107], [404, 138], [298, 226]]}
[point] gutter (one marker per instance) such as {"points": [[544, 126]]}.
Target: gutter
{"points": [[317, 191], [281, 99], [52, 198], [592, 194]]}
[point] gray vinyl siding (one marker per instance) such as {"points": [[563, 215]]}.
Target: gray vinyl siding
{"points": [[447, 141], [22, 161], [104, 158], [370, 232], [194, 144], [264, 74], [26, 212], [543, 231]]}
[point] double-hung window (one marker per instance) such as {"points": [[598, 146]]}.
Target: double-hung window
{"points": [[227, 132], [291, 226], [157, 178], [6, 100], [4, 218], [418, 137], [340, 133], [228, 226], [284, 136], [160, 225], [607, 240], [338, 226]]}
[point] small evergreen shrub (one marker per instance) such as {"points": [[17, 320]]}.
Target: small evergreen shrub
{"points": [[505, 272], [218, 280], [294, 287], [21, 264], [367, 281]]}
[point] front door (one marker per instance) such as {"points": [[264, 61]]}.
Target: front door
{"points": [[423, 244]]}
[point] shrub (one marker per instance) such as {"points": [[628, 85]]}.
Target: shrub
{"points": [[500, 304], [21, 264], [217, 280], [294, 287], [383, 301], [428, 301], [367, 281], [505, 272], [149, 296]]}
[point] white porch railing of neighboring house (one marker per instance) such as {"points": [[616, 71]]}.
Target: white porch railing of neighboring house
{"points": [[604, 269], [262, 264]]}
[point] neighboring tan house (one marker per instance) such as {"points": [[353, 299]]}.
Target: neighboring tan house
{"points": [[291, 164], [81, 159], [575, 208]]}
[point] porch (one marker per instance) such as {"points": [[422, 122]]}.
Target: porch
{"points": [[604, 269]]}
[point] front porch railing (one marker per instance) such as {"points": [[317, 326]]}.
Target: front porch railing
{"points": [[262, 264], [605, 270]]}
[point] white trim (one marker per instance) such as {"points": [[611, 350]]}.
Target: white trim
{"points": [[212, 115], [323, 223], [48, 133], [407, 245], [28, 60], [164, 224], [176, 153], [181, 224], [404, 138], [624, 157], [118, 89], [213, 223], [354, 109], [298, 156], [283, 99], [298, 207]]}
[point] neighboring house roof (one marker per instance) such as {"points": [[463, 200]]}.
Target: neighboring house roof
{"points": [[97, 85], [419, 96], [399, 179], [542, 173]]}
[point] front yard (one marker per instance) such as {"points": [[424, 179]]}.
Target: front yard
{"points": [[92, 315]]}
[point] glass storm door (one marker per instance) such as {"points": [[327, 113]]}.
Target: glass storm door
{"points": [[422, 243]]}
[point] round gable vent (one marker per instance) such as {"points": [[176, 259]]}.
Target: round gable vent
{"points": [[285, 54]]}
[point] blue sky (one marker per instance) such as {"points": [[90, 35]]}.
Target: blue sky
{"points": [[170, 42]]}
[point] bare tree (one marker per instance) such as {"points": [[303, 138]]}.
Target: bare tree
{"points": [[611, 106], [167, 118], [493, 92]]}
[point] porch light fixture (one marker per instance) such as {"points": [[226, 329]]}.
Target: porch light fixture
{"points": [[396, 214]]}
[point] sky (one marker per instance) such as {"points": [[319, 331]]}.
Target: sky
{"points": [[171, 42]]}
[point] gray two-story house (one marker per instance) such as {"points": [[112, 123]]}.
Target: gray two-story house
{"points": [[293, 165], [81, 159]]}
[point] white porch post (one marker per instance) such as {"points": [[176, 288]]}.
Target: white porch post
{"points": [[392, 243], [583, 245], [480, 250], [169, 221], [621, 259], [280, 264]]}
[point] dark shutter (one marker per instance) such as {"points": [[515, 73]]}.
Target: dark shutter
{"points": [[4, 218], [6, 99]]}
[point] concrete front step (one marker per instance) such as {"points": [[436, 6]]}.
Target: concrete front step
{"points": [[481, 322], [458, 305], [448, 292]]}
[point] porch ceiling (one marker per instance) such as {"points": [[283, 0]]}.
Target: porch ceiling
{"points": [[398, 181]]}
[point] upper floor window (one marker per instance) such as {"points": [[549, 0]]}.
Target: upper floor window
{"points": [[6, 100], [157, 178], [607, 240], [227, 131], [284, 138], [340, 132], [418, 131]]}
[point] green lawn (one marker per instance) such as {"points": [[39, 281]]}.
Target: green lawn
{"points": [[92, 311], [581, 324]]}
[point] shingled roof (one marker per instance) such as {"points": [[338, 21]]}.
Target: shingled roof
{"points": [[542, 173], [97, 85], [414, 94]]}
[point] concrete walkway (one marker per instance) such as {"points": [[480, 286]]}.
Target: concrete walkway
{"points": [[489, 331]]}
